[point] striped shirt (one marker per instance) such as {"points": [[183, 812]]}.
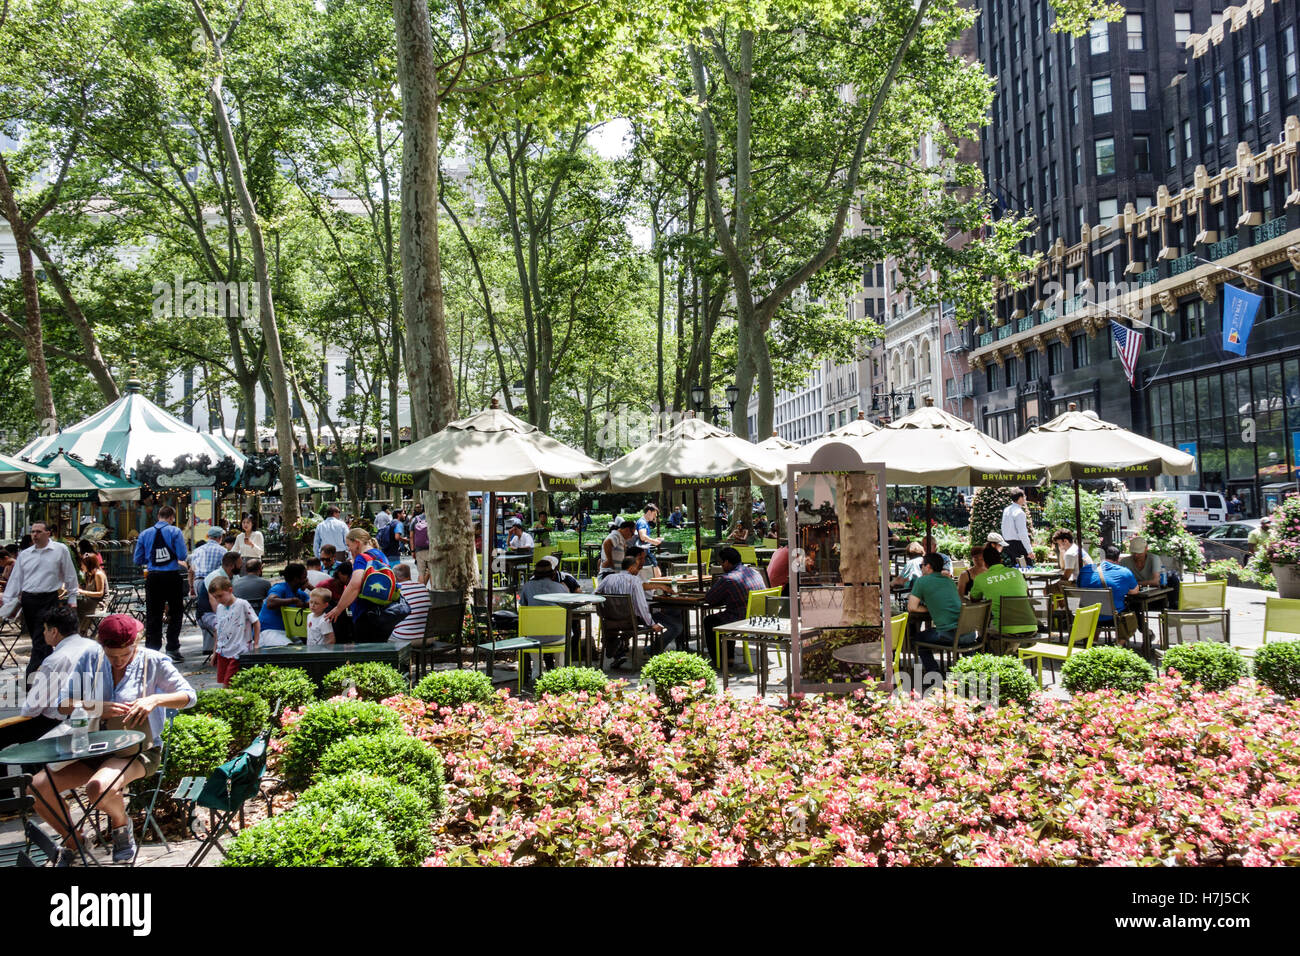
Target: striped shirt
{"points": [[624, 583], [418, 597]]}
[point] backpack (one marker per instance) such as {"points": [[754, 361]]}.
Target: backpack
{"points": [[160, 552], [379, 586], [420, 534], [385, 537]]}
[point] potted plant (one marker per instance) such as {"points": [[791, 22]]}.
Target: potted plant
{"points": [[1169, 539], [1278, 549]]}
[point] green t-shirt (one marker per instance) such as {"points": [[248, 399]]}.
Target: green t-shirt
{"points": [[939, 595], [998, 582]]}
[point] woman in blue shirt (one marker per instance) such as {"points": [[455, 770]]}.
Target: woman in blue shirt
{"points": [[289, 593], [365, 554]]}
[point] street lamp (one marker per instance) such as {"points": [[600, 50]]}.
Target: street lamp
{"points": [[732, 394], [697, 397]]}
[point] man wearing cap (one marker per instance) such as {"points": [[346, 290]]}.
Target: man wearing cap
{"points": [[999, 545], [34, 582], [1144, 565]]}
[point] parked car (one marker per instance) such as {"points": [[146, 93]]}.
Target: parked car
{"points": [[1230, 540]]}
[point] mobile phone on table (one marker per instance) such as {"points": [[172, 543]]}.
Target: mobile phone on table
{"points": [[98, 747]]}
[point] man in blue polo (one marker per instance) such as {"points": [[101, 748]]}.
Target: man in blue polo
{"points": [[161, 551]]}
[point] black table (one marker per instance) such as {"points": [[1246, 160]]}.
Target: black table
{"points": [[1143, 602], [51, 750], [319, 659]]}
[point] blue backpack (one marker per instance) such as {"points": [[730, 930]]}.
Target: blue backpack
{"points": [[385, 536]]}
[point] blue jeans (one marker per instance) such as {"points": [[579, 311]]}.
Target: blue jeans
{"points": [[932, 634]]}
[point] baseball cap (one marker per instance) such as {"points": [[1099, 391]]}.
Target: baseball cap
{"points": [[1137, 544], [118, 630], [552, 560], [216, 531], [995, 538]]}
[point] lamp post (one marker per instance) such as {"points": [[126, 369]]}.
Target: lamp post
{"points": [[697, 397], [893, 401]]}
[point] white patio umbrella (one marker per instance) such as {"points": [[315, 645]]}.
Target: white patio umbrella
{"points": [[1076, 445], [857, 428], [782, 446], [694, 454], [931, 447]]}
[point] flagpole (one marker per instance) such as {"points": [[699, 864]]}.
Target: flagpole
{"points": [[1140, 324], [1251, 278]]}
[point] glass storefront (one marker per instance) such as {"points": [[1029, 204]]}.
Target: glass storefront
{"points": [[1243, 425]]}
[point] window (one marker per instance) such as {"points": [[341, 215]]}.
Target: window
{"points": [[1055, 358], [1133, 27], [1143, 203], [1142, 154], [1074, 107], [1207, 112], [1076, 173], [1105, 155], [1107, 209], [1289, 61], [1013, 368], [1137, 91], [1099, 37], [1261, 64], [1171, 149], [1222, 80], [1246, 87], [1187, 139], [1079, 351], [1191, 319], [1101, 96], [1031, 366], [1182, 27], [993, 377]]}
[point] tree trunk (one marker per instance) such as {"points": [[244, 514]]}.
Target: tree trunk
{"points": [[266, 304], [91, 358], [433, 388], [855, 505], [33, 334]]}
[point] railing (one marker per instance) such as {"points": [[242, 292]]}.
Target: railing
{"points": [[1224, 247], [1270, 230], [1149, 277], [986, 339], [1072, 305], [1182, 264], [1047, 315], [1027, 322], [1006, 331]]}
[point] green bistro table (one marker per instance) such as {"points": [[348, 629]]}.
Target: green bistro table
{"points": [[52, 750], [319, 659]]}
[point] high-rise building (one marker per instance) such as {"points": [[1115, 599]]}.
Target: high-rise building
{"points": [[1167, 188]]}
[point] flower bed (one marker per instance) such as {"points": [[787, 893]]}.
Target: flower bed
{"points": [[1168, 775]]}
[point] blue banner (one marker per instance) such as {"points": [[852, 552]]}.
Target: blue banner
{"points": [[1189, 447], [1239, 308], [1295, 453]]}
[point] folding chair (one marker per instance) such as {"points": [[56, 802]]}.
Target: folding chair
{"points": [[37, 848], [973, 618], [11, 633], [1281, 616], [1076, 598], [442, 632], [223, 793], [1084, 629], [137, 796]]}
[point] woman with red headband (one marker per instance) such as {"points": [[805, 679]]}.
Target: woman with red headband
{"points": [[145, 684]]}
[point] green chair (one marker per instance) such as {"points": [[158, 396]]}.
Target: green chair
{"points": [[700, 557], [770, 543], [295, 623], [1281, 616], [1083, 629], [1016, 612], [571, 556], [898, 633], [747, 554], [536, 626], [1198, 596], [755, 606], [1202, 615]]}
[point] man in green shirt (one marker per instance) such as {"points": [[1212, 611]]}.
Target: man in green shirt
{"points": [[937, 593], [1000, 581]]}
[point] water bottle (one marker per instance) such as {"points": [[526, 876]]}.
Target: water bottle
{"points": [[80, 724], [1164, 578]]}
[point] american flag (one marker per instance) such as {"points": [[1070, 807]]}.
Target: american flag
{"points": [[1128, 343]]}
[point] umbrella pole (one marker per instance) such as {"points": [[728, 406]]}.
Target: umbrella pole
{"points": [[1078, 519], [699, 563], [929, 520], [489, 538]]}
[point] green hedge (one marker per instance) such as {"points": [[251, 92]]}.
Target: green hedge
{"points": [[196, 745], [1214, 666], [246, 713], [980, 672], [403, 813], [1102, 668], [288, 685], [395, 756], [453, 688], [325, 723], [315, 836], [569, 680], [678, 669], [1277, 667], [374, 680]]}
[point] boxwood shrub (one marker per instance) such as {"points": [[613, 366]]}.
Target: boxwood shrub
{"points": [[196, 745], [1277, 667], [246, 713], [979, 674], [327, 722], [453, 688], [1102, 668], [315, 836], [395, 756], [401, 811], [566, 680], [1213, 665], [678, 669], [288, 685], [374, 680]]}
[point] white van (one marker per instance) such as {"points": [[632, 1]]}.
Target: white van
{"points": [[1201, 510]]}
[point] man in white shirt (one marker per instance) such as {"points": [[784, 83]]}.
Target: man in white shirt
{"points": [[1070, 555], [382, 518], [519, 539], [316, 576], [75, 672], [1015, 528], [614, 547], [34, 583], [331, 531]]}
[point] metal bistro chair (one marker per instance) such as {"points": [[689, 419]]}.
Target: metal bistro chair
{"points": [[442, 632], [37, 848], [974, 618], [488, 626], [1083, 629], [618, 620], [1281, 616], [1077, 598], [546, 629], [11, 632], [1201, 615], [224, 793], [1017, 612]]}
